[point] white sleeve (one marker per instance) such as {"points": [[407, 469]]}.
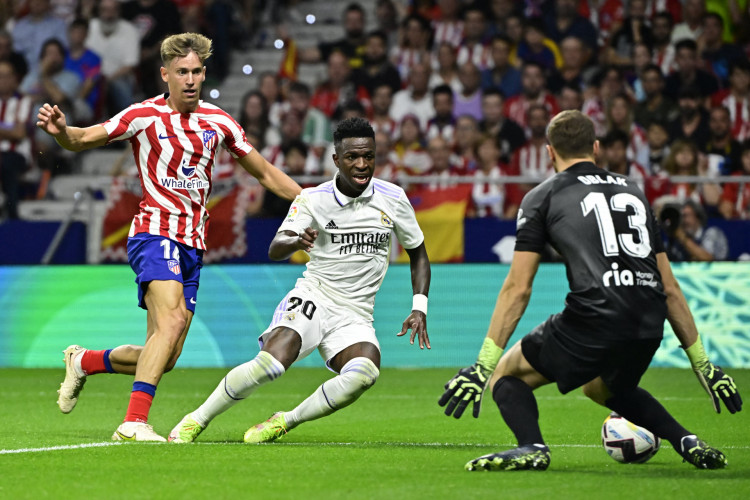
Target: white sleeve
{"points": [[405, 224], [300, 216]]}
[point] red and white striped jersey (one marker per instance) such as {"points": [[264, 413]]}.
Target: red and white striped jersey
{"points": [[637, 149], [517, 106], [479, 53], [739, 112], [14, 110], [451, 32], [175, 154], [532, 160]]}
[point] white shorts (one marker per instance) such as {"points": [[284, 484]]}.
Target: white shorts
{"points": [[320, 323]]}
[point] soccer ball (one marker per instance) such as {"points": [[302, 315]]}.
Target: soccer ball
{"points": [[626, 442]]}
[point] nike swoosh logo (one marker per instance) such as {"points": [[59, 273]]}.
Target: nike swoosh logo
{"points": [[192, 300], [166, 136]]}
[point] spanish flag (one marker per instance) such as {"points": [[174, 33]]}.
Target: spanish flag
{"points": [[440, 214], [290, 61]]}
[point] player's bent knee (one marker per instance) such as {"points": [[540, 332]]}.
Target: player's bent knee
{"points": [[360, 374]]}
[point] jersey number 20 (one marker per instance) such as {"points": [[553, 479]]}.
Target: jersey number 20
{"points": [[620, 202]]}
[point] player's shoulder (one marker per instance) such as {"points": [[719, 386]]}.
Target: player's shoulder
{"points": [[316, 192], [386, 189]]}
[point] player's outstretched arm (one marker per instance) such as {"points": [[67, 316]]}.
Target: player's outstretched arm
{"points": [[52, 120], [285, 243], [718, 385], [269, 176], [419, 263], [469, 384]]}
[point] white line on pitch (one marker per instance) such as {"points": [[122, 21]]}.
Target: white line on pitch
{"points": [[63, 447]]}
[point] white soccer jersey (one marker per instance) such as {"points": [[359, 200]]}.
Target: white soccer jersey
{"points": [[175, 154], [350, 256]]}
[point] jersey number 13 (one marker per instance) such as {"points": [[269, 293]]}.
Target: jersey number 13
{"points": [[620, 202]]}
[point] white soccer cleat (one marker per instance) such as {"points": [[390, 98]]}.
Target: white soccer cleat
{"points": [[136, 431], [73, 384], [186, 431]]}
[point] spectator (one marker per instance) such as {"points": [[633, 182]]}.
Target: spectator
{"points": [[662, 25], [112, 38], [34, 29], [671, 7], [294, 160], [385, 168], [376, 69], [414, 47], [564, 21], [737, 99], [467, 133], [469, 100], [500, 12], [691, 26], [408, 151], [692, 122], [620, 117], [533, 91], [641, 59], [269, 87], [447, 69], [443, 124], [689, 72], [722, 150], [536, 47], [352, 45], [514, 25], [49, 81], [532, 159], [635, 29], [684, 160], [691, 240], [316, 128], [655, 106], [717, 55], [255, 122], [475, 45], [87, 65], [503, 75], [570, 97], [509, 135], [657, 137], [489, 198], [7, 53], [571, 72], [381, 121], [735, 198], [15, 142], [416, 98], [155, 20], [448, 27], [339, 87], [441, 164], [616, 160], [386, 17]]}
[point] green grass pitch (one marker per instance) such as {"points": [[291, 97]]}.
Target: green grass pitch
{"points": [[393, 443]]}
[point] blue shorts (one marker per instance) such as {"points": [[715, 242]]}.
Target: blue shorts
{"points": [[159, 258]]}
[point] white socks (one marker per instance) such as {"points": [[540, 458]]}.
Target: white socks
{"points": [[238, 384], [358, 375]]}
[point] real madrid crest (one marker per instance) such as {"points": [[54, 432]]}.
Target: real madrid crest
{"points": [[385, 220]]}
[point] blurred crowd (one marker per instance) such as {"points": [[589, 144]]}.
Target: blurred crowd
{"points": [[452, 88]]}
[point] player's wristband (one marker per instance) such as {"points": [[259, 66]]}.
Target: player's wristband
{"points": [[419, 303], [697, 354], [489, 355]]}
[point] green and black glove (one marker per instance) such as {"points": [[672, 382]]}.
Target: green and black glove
{"points": [[468, 385], [717, 384]]}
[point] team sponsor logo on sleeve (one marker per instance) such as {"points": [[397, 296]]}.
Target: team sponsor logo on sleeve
{"points": [[385, 220], [174, 266], [210, 139], [293, 211], [520, 219]]}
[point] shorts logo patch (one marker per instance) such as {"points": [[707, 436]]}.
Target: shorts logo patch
{"points": [[289, 316], [174, 266], [385, 220], [293, 211]]}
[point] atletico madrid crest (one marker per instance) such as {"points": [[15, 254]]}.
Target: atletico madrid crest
{"points": [[174, 266], [209, 139]]}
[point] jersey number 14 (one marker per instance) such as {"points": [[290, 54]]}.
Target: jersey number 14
{"points": [[620, 202]]}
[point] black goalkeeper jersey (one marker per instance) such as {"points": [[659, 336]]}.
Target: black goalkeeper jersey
{"points": [[603, 227]]}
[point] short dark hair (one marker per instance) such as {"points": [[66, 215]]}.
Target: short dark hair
{"points": [[502, 37], [378, 34], [664, 15], [571, 134], [686, 43], [714, 15], [614, 136], [651, 67], [294, 145], [493, 91], [739, 65], [352, 127], [442, 89], [79, 22], [299, 88], [354, 7], [697, 209], [52, 41]]}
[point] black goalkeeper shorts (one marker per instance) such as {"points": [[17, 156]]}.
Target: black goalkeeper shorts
{"points": [[573, 360]]}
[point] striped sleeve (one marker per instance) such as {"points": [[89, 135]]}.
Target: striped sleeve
{"points": [[234, 140], [123, 125]]}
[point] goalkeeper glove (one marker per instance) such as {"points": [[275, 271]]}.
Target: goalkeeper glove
{"points": [[717, 384], [468, 385]]}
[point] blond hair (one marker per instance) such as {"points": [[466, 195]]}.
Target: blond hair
{"points": [[183, 44]]}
